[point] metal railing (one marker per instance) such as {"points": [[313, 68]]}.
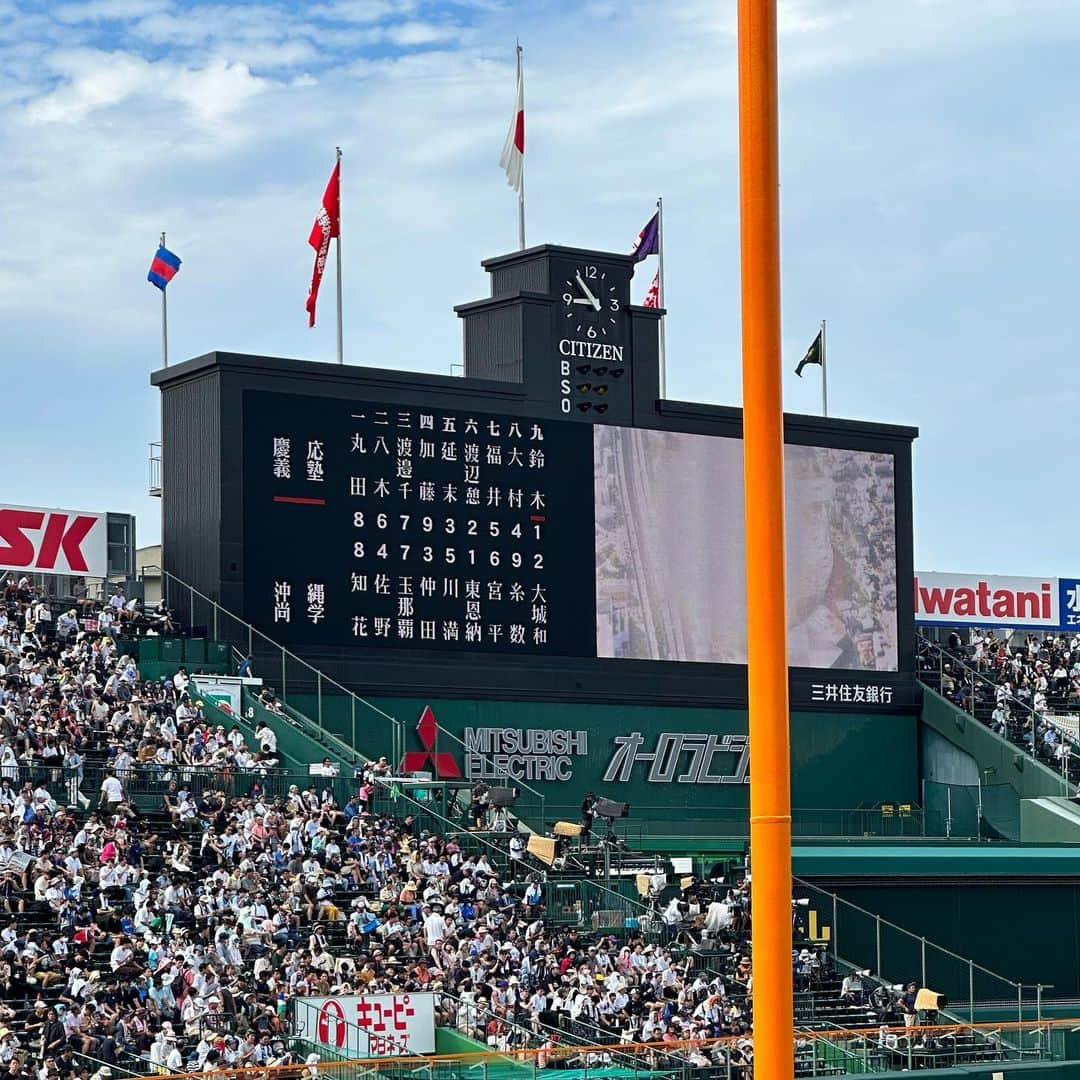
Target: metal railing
{"points": [[862, 940], [894, 1050], [969, 680], [514, 1046], [154, 463], [147, 784], [390, 796], [980, 810], [923, 1047], [843, 1045], [591, 906], [652, 824], [197, 609], [472, 1018], [253, 711], [93, 1064]]}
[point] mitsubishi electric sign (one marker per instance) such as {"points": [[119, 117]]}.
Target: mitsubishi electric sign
{"points": [[1047, 603], [552, 754], [522, 753], [671, 764]]}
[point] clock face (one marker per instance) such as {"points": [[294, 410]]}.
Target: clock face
{"points": [[591, 303], [593, 337]]}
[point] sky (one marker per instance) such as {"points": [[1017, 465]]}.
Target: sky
{"points": [[929, 155]]}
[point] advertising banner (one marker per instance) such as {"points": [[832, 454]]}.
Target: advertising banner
{"points": [[368, 1025], [41, 540], [225, 690], [672, 765], [991, 600]]}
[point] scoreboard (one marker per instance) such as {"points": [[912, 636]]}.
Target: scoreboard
{"points": [[396, 525], [387, 525], [545, 527]]}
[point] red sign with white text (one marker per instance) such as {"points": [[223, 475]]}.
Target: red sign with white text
{"points": [[39, 540], [986, 600]]}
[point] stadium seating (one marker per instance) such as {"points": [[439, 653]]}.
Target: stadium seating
{"points": [[1014, 691], [170, 879]]}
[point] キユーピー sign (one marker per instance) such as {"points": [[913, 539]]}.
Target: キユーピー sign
{"points": [[367, 1025]]}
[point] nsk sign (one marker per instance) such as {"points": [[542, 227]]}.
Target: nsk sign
{"points": [[37, 540], [986, 600]]}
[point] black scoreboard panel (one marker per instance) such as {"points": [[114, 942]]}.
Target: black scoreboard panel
{"points": [[421, 527], [383, 525]]}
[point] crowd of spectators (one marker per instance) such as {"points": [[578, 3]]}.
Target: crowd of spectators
{"points": [[172, 936], [1026, 687]]}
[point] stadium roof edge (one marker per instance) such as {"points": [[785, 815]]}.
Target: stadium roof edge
{"points": [[332, 372], [690, 410]]}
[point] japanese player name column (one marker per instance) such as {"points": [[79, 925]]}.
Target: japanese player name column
{"points": [[456, 590], [423, 529]]}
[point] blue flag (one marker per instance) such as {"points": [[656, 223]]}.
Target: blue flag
{"points": [[163, 268]]}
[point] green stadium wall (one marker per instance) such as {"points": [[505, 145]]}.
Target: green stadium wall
{"points": [[1027, 930], [1063, 1043], [840, 762]]}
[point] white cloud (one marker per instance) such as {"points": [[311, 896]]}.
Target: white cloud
{"points": [[218, 89], [89, 11], [361, 12], [416, 32], [94, 81], [91, 81]]}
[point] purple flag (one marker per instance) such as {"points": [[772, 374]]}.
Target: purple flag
{"points": [[648, 241]]}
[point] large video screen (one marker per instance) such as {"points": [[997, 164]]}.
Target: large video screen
{"points": [[411, 527], [670, 551]]}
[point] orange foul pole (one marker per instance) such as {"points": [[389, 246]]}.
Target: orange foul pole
{"points": [[763, 467]]}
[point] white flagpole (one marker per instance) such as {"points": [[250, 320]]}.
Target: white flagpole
{"points": [[521, 191], [824, 378], [660, 293], [340, 350], [164, 322]]}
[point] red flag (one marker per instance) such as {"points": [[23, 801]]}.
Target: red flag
{"points": [[652, 297], [327, 225]]}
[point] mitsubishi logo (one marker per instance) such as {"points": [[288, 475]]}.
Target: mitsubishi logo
{"points": [[442, 761]]}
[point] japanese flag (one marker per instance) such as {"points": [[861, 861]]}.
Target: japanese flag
{"points": [[513, 155]]}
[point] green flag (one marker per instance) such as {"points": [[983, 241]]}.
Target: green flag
{"points": [[813, 355]]}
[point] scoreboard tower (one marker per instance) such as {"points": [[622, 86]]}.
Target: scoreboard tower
{"points": [[545, 528]]}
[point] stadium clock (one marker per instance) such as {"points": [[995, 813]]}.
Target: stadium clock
{"points": [[592, 337], [591, 303]]}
